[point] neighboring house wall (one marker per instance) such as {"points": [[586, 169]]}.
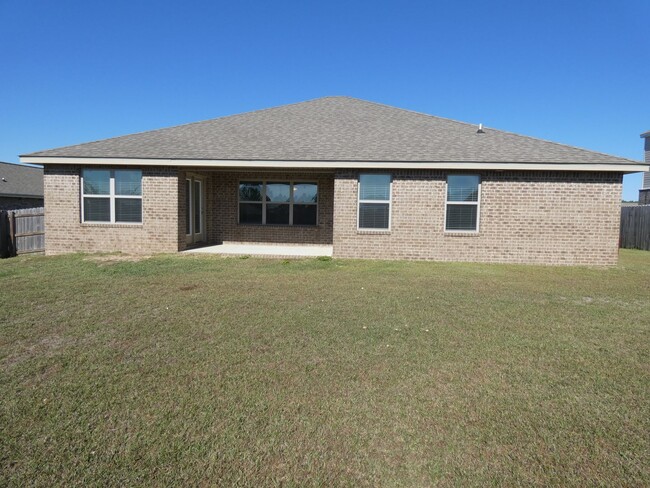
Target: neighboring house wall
{"points": [[222, 210], [644, 193], [15, 203], [525, 217], [644, 197], [64, 231]]}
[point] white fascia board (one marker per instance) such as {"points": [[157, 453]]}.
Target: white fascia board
{"points": [[229, 163]]}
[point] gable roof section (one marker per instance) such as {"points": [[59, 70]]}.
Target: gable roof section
{"points": [[331, 129], [19, 180]]}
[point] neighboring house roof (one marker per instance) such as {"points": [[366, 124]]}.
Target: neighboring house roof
{"points": [[21, 180], [332, 129]]}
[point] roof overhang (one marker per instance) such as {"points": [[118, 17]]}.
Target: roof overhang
{"points": [[19, 195], [646, 134], [632, 167]]}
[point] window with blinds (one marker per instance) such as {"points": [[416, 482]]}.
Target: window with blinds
{"points": [[111, 196], [374, 202], [462, 205]]}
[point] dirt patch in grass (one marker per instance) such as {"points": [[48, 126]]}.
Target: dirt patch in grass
{"points": [[116, 258], [188, 287], [43, 347]]}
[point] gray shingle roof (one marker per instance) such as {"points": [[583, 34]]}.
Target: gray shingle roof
{"points": [[333, 129], [20, 180]]}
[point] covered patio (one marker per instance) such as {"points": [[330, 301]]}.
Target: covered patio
{"points": [[261, 213]]}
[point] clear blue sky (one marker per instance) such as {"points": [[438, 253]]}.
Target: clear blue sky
{"points": [[572, 71]]}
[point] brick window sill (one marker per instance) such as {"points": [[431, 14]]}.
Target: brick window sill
{"points": [[462, 234], [373, 232], [282, 226], [120, 226]]}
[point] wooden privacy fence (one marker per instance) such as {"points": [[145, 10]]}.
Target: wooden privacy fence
{"points": [[635, 227], [22, 231]]}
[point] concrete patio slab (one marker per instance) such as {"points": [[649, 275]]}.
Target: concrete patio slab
{"points": [[275, 250]]}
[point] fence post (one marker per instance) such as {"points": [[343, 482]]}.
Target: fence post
{"points": [[4, 235], [12, 233]]}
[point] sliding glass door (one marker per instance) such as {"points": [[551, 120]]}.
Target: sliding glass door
{"points": [[194, 209]]}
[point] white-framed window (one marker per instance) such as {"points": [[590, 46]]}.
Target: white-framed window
{"points": [[265, 202], [112, 196], [374, 201], [462, 206]]}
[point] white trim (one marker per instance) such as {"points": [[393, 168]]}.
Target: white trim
{"points": [[111, 198], [292, 182], [477, 203], [386, 165], [383, 202]]}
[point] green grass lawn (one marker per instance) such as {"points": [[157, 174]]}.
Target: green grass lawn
{"points": [[186, 371]]}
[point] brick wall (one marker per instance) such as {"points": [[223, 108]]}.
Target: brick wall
{"points": [[222, 210], [525, 217], [64, 231]]}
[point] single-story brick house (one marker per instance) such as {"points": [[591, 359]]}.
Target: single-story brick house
{"points": [[369, 180]]}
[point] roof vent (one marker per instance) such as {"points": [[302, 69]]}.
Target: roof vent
{"points": [[480, 129]]}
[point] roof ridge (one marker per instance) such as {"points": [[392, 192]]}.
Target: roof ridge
{"points": [[411, 111]]}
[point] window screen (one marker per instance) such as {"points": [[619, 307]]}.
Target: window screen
{"points": [[462, 203], [111, 196], [374, 201]]}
